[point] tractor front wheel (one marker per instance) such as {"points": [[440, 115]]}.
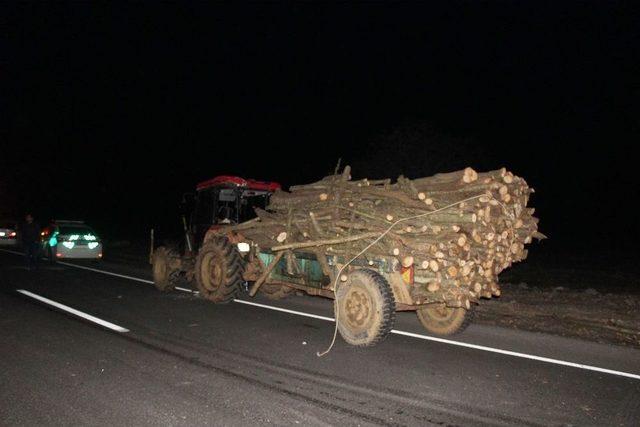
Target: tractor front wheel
{"points": [[442, 320], [165, 268], [365, 308], [218, 271]]}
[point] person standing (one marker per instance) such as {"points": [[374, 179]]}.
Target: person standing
{"points": [[30, 239]]}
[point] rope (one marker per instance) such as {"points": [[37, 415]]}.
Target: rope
{"points": [[377, 239]]}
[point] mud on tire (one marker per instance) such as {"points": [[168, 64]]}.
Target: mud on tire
{"points": [[441, 320], [165, 268], [218, 271], [365, 308]]}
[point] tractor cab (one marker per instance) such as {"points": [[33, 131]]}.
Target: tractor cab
{"points": [[227, 200]]}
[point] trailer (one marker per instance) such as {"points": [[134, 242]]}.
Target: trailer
{"points": [[431, 245]]}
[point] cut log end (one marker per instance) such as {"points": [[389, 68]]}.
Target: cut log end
{"points": [[469, 176], [452, 271]]}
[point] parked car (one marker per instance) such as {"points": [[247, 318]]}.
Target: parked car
{"points": [[8, 233], [70, 239]]}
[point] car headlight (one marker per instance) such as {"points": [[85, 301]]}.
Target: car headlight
{"points": [[244, 247]]}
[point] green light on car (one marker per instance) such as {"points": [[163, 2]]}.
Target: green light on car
{"points": [[74, 237], [93, 245], [89, 237], [68, 245]]}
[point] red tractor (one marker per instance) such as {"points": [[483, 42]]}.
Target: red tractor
{"points": [[219, 202]]}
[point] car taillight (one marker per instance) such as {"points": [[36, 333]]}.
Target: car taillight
{"points": [[12, 234]]}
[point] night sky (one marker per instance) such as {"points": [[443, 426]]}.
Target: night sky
{"points": [[110, 111]]}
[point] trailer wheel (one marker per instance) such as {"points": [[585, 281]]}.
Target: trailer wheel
{"points": [[366, 308], [165, 271], [276, 292], [218, 271], [441, 320]]}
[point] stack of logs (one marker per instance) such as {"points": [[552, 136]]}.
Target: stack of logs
{"points": [[463, 227]]}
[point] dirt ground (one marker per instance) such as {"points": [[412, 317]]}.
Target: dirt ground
{"points": [[570, 295]]}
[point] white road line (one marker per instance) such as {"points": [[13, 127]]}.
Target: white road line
{"points": [[107, 272], [397, 332], [178, 288], [517, 354], [462, 344], [73, 311], [285, 310]]}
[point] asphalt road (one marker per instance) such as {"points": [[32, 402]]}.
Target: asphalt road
{"points": [[185, 361]]}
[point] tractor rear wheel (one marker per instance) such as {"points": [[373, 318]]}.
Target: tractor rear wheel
{"points": [[276, 292], [165, 268], [365, 308], [219, 269], [442, 320]]}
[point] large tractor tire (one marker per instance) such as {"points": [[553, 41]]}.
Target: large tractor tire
{"points": [[366, 308], [165, 269], [276, 292], [441, 320], [218, 271]]}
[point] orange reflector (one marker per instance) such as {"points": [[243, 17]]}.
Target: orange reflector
{"points": [[407, 275]]}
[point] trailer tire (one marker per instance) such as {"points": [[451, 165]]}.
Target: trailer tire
{"points": [[365, 308], [441, 320], [218, 271], [276, 292], [165, 270]]}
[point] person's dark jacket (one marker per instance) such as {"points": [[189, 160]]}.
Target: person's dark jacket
{"points": [[30, 233]]}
